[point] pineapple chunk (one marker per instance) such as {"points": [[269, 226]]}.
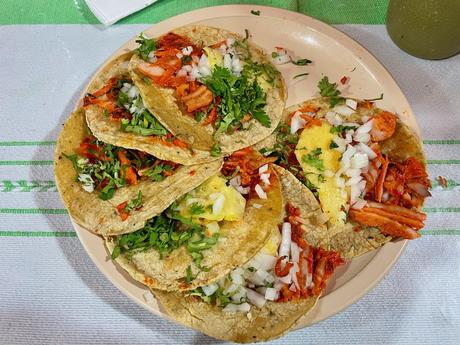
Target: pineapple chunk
{"points": [[213, 200], [314, 163]]}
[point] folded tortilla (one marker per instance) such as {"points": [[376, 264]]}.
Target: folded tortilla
{"points": [[109, 131], [162, 101], [239, 241], [273, 319], [402, 145], [100, 216]]}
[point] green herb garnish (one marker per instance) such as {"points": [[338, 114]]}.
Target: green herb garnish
{"points": [[313, 159], [146, 46], [301, 62], [341, 129], [333, 145], [374, 99], [215, 150], [327, 89], [134, 204], [196, 209]]}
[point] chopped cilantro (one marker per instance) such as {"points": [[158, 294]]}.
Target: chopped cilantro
{"points": [[313, 159], [186, 59], [327, 89], [196, 208], [146, 46], [215, 150], [189, 275], [256, 13], [275, 55], [134, 203], [333, 145], [341, 128], [301, 62], [199, 116]]}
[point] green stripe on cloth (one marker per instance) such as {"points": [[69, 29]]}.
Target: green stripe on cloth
{"points": [[33, 210], [27, 143], [443, 161], [442, 142], [26, 162], [38, 234], [76, 11], [441, 232]]}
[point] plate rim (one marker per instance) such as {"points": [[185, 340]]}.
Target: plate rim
{"points": [[391, 250]]}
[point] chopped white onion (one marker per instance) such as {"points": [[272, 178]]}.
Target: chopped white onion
{"points": [[263, 168], [353, 172], [343, 110], [232, 288], [365, 128], [237, 278], [260, 192], [257, 206], [353, 180], [243, 190], [235, 181], [179, 55], [351, 103], [265, 178], [333, 118], [208, 290], [271, 294], [359, 204], [187, 50], [285, 245], [256, 298], [339, 181], [362, 137], [213, 227], [367, 150], [281, 59], [218, 204], [359, 160], [297, 122], [239, 295], [233, 308]]}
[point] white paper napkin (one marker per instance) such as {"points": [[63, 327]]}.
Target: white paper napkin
{"points": [[111, 11]]}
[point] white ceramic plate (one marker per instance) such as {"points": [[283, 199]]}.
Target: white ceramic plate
{"points": [[333, 54]]}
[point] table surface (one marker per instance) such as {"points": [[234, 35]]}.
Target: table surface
{"points": [[51, 291]]}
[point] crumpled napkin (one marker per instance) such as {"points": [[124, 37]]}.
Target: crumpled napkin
{"points": [[111, 11]]}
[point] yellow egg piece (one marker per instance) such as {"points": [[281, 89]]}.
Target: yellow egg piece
{"points": [[315, 157]]}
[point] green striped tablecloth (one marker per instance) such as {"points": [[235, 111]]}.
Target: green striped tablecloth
{"points": [[53, 294]]}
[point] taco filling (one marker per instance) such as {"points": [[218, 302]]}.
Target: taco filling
{"points": [[195, 222], [218, 85], [103, 168], [286, 269], [341, 154], [122, 103]]}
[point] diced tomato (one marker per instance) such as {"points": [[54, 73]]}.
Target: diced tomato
{"points": [[122, 211], [126, 170]]}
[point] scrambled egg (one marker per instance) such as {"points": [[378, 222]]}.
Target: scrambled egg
{"points": [[330, 195], [213, 200]]}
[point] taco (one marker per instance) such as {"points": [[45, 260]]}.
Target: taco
{"points": [[116, 114], [207, 232], [210, 87], [112, 190], [265, 297], [364, 164]]}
